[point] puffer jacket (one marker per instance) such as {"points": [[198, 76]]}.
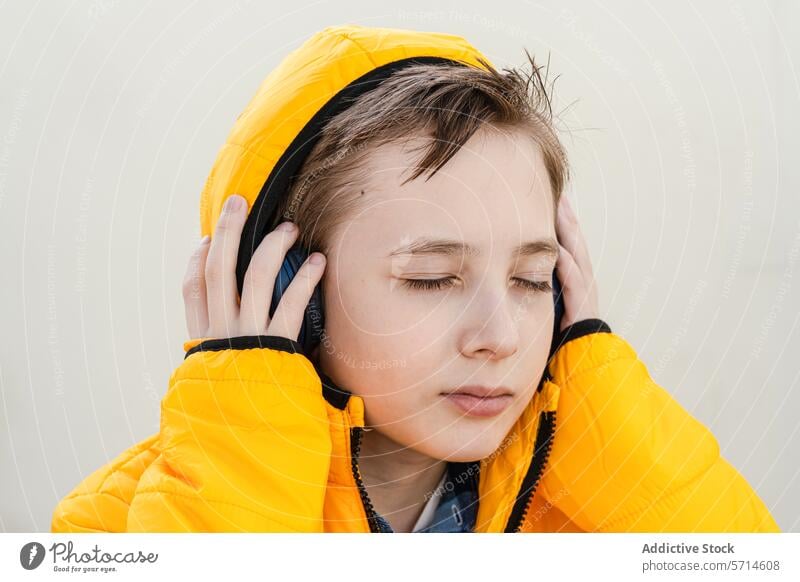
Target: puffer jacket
{"points": [[253, 437]]}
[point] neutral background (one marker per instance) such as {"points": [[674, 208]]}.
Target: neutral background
{"points": [[682, 124]]}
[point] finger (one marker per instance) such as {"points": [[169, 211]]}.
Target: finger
{"points": [[582, 255], [566, 226], [571, 236], [568, 271], [579, 303], [259, 280], [223, 305], [288, 317], [194, 291], [582, 258]]}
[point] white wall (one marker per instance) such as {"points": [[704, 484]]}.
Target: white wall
{"points": [[684, 142]]}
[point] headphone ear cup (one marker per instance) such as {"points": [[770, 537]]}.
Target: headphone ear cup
{"points": [[559, 309], [313, 321]]}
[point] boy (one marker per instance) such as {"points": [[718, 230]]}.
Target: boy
{"points": [[444, 394]]}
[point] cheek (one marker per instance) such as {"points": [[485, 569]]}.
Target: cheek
{"points": [[380, 306], [389, 366], [374, 320], [374, 348]]}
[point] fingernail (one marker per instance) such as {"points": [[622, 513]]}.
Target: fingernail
{"points": [[316, 259], [286, 226], [232, 203], [204, 240]]}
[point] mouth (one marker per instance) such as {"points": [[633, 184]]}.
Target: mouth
{"points": [[480, 401]]}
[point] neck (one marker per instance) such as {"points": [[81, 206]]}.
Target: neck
{"points": [[399, 480]]}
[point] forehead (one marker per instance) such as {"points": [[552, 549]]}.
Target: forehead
{"points": [[495, 188]]}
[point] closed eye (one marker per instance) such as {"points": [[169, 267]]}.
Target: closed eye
{"points": [[428, 284], [534, 285], [445, 282]]}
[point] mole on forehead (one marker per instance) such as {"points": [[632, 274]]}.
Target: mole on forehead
{"points": [[429, 246]]}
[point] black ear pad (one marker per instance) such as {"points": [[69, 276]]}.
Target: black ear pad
{"points": [[313, 322], [558, 300]]}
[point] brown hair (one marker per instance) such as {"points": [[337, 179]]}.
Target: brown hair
{"points": [[446, 104]]}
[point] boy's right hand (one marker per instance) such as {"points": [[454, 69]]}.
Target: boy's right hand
{"points": [[213, 308]]}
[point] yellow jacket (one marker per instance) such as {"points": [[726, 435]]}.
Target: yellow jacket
{"points": [[254, 438]]}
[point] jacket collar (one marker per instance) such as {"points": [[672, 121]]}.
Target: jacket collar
{"points": [[507, 478]]}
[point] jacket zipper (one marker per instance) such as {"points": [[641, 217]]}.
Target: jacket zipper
{"points": [[541, 452], [542, 446], [355, 450]]}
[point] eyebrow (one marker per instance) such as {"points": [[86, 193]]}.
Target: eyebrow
{"points": [[426, 246]]}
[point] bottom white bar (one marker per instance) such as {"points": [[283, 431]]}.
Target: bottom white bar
{"points": [[415, 557]]}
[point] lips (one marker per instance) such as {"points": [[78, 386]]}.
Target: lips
{"points": [[482, 391], [480, 401]]}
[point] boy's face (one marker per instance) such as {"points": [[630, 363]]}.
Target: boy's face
{"points": [[401, 348]]}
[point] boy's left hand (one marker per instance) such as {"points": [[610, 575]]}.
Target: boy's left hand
{"points": [[574, 268]]}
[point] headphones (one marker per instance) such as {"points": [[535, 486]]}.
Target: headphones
{"points": [[265, 212], [313, 320]]}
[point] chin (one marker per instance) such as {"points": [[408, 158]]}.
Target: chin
{"points": [[465, 447]]}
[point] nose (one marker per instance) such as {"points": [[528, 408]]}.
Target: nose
{"points": [[488, 327]]}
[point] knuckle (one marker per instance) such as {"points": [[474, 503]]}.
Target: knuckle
{"points": [[227, 221], [306, 272], [255, 279], [187, 288], [252, 285], [223, 223], [304, 277], [261, 263], [193, 268], [192, 286], [199, 251], [278, 238], [213, 272], [290, 304]]}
